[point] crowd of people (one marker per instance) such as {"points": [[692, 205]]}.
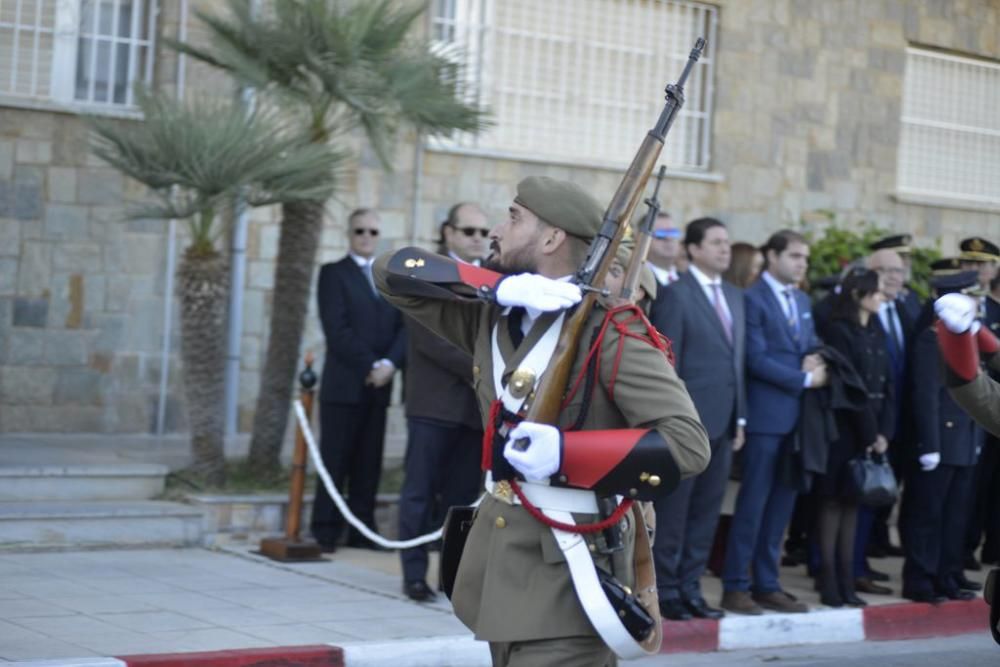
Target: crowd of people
{"points": [[792, 390]]}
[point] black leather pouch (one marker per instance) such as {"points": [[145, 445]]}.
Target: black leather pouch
{"points": [[634, 617], [457, 524]]}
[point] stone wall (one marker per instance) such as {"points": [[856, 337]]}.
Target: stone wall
{"points": [[807, 105]]}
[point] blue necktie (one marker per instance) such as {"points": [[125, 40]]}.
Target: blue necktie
{"points": [[793, 313]]}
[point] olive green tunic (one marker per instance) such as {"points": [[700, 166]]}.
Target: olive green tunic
{"points": [[512, 584], [981, 399]]}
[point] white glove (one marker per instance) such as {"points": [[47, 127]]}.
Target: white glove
{"points": [[540, 459], [531, 290], [957, 311], [930, 461]]}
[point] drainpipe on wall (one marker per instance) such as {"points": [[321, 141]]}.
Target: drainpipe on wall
{"points": [[418, 182], [168, 290], [237, 277]]}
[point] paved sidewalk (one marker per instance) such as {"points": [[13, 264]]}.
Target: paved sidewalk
{"points": [[133, 602], [98, 603]]}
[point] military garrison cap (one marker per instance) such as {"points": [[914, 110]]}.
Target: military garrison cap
{"points": [[561, 204], [899, 242], [977, 249], [963, 282]]}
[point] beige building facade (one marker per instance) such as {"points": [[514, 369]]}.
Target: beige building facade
{"points": [[878, 110]]}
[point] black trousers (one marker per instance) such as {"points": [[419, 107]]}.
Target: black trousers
{"points": [[685, 526], [352, 438], [442, 469], [937, 506], [985, 513]]}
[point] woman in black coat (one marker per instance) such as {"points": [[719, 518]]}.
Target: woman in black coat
{"points": [[854, 332]]}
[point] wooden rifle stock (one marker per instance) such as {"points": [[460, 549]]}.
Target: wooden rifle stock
{"points": [[643, 239], [546, 404]]}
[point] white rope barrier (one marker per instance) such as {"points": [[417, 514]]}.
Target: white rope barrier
{"points": [[338, 500]]}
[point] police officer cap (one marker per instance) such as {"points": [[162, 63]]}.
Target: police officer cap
{"points": [[963, 282], [561, 204], [899, 242], [977, 249], [947, 266]]}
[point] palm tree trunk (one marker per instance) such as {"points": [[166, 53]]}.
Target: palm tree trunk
{"points": [[301, 226], [203, 283]]}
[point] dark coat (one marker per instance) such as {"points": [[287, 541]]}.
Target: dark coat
{"points": [[941, 424], [710, 365], [807, 450], [360, 328], [864, 348], [438, 379]]}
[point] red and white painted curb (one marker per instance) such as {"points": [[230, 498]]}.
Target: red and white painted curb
{"points": [[876, 623]]}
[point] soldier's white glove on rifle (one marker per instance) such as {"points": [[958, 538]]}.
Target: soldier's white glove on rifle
{"points": [[930, 461], [957, 312], [534, 450], [530, 290]]}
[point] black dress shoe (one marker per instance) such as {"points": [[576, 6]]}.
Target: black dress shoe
{"points": [[967, 584], [866, 585], [674, 610], [971, 564], [893, 551], [418, 591], [700, 609], [875, 575], [875, 551], [958, 594], [930, 597]]}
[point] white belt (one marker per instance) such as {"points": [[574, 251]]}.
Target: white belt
{"points": [[545, 497], [588, 589]]}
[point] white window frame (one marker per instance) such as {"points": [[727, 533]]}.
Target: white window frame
{"points": [[477, 42], [910, 119], [65, 46]]}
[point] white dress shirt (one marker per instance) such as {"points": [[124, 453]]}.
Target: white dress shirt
{"points": [[663, 276]]}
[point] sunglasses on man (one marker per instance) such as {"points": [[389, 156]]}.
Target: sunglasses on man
{"points": [[360, 231], [666, 234], [471, 231]]}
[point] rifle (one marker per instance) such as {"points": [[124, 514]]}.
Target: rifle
{"points": [[643, 238], [546, 404]]}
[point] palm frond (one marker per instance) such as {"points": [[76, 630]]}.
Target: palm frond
{"points": [[200, 153], [354, 63]]}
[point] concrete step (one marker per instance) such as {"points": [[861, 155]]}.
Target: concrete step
{"points": [[119, 481], [49, 524]]}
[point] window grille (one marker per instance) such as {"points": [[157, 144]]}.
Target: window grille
{"points": [[579, 81], [949, 146], [76, 52]]}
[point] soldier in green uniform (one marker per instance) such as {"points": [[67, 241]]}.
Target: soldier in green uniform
{"points": [[513, 586]]}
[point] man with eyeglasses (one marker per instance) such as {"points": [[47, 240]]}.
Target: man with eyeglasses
{"points": [[444, 428], [664, 259], [365, 344]]}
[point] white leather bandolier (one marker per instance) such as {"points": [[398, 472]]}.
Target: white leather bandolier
{"points": [[559, 504]]}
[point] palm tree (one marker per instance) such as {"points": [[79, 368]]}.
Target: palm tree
{"points": [[342, 65], [195, 158]]}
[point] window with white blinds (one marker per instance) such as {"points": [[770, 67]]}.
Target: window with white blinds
{"points": [[76, 52], [949, 146], [580, 81]]}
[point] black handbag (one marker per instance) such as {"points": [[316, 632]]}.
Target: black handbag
{"points": [[872, 481], [457, 524]]}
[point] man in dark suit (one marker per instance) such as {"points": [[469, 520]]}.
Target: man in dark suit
{"points": [[942, 469], [663, 260], [703, 317], [365, 345], [894, 316], [780, 366], [445, 432]]}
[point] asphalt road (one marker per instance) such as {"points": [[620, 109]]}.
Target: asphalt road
{"points": [[963, 651]]}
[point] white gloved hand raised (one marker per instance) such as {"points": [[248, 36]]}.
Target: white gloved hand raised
{"points": [[957, 311], [541, 458], [531, 290], [930, 461]]}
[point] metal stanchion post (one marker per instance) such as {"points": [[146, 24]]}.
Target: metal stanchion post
{"points": [[291, 547]]}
